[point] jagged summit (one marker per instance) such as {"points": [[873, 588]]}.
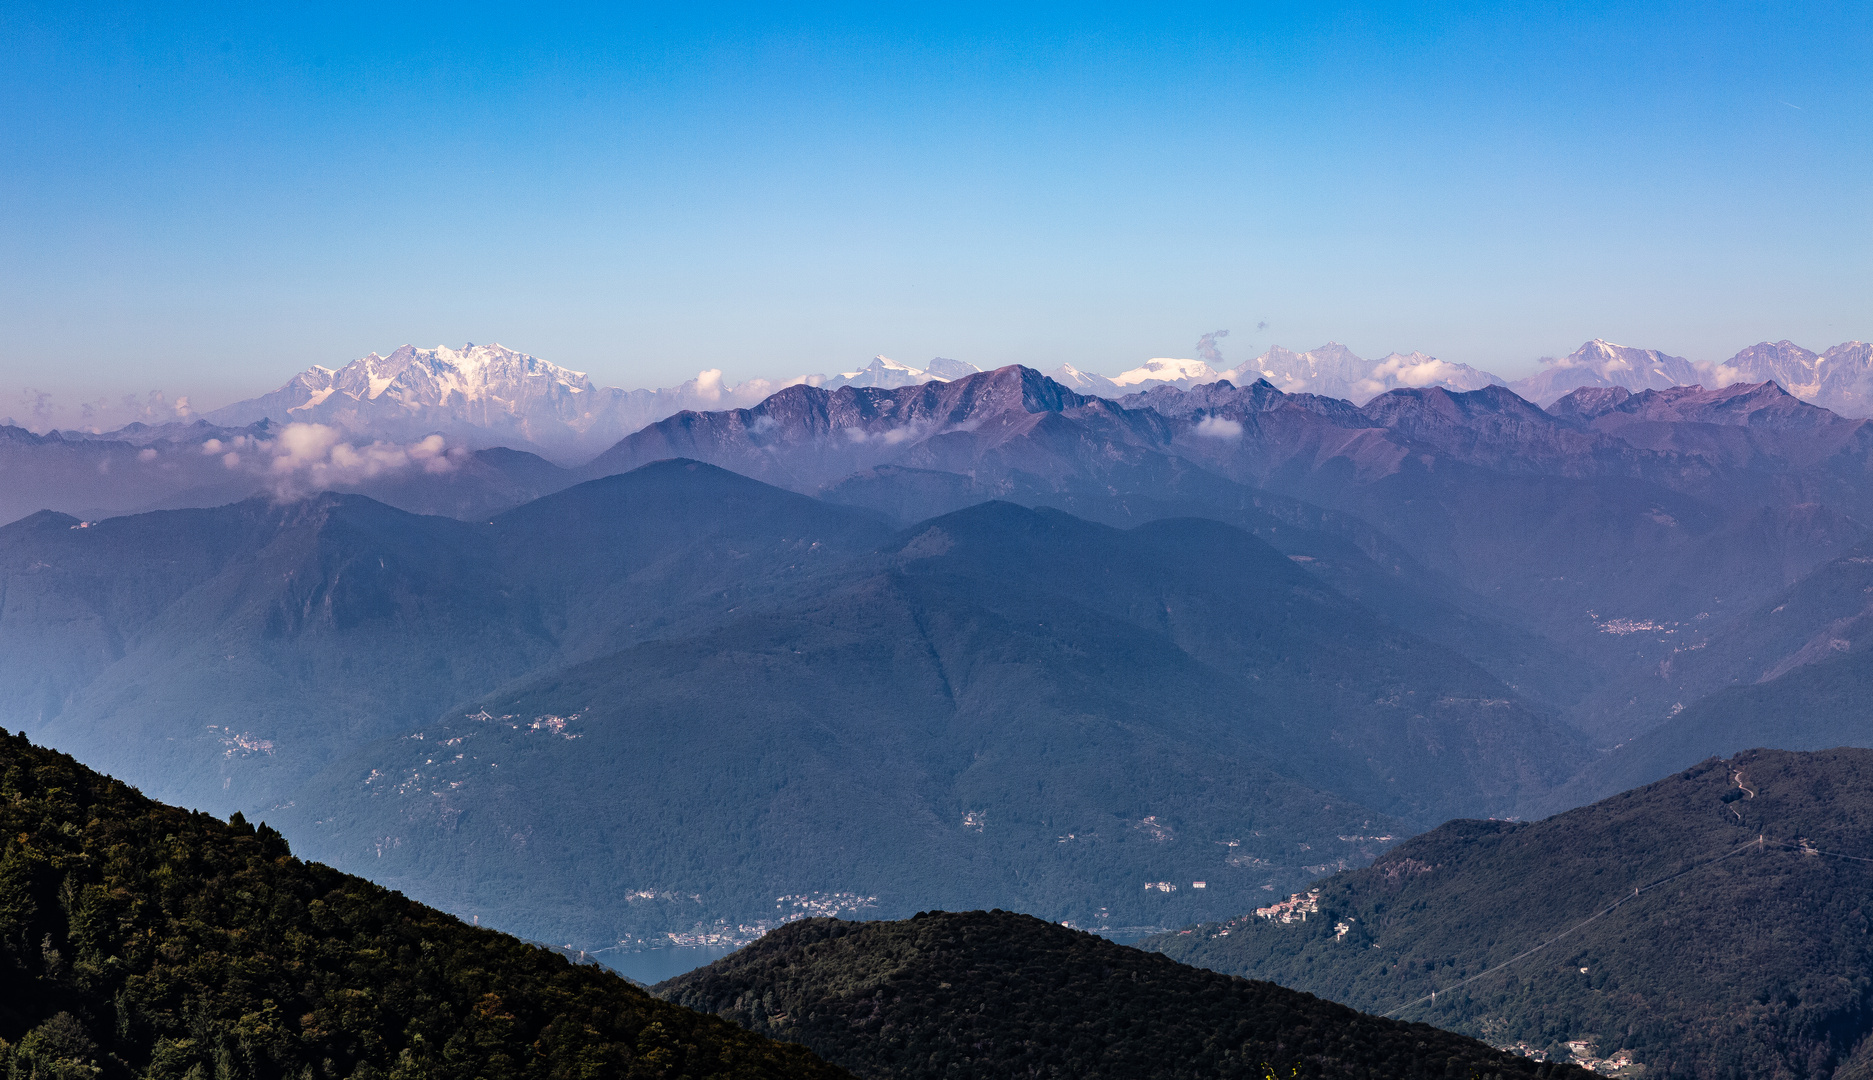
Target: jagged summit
{"points": [[1603, 363]]}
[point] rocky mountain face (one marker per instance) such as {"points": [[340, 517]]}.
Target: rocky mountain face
{"points": [[1710, 924], [1840, 379], [996, 994]]}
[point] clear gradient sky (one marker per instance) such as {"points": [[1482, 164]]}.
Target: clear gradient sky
{"points": [[205, 200]]}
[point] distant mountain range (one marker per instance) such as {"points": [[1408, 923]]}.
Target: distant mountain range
{"points": [[1840, 379], [1712, 923], [1225, 634], [985, 995], [1332, 370], [1714, 500], [488, 395], [375, 424]]}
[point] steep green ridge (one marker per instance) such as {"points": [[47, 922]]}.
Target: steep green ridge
{"points": [[1743, 955], [138, 939], [995, 994]]}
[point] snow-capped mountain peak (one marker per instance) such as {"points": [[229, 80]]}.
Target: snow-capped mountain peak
{"points": [[429, 378], [1166, 369], [490, 395], [1603, 363], [886, 373]]}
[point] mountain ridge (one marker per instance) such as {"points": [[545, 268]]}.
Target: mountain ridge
{"points": [[1694, 921]]}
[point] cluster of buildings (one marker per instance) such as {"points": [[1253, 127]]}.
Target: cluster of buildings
{"points": [[1295, 908], [723, 934], [1585, 1053]]}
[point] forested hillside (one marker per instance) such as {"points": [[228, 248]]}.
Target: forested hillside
{"points": [[994, 994], [999, 707], [1717, 923], [138, 939]]}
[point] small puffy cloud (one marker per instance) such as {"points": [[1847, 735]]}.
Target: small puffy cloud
{"points": [[304, 444], [303, 458], [1219, 427]]}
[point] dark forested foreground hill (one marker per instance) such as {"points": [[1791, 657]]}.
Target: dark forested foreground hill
{"points": [[1717, 923], [138, 939], [994, 994]]}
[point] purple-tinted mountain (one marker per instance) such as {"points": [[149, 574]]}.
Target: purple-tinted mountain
{"points": [[1012, 423], [1603, 525]]}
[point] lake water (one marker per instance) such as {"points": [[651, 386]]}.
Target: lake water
{"points": [[652, 966]]}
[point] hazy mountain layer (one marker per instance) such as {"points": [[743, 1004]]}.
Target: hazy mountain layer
{"points": [[1743, 951], [218, 657], [196, 465], [995, 994], [1002, 706], [1818, 705]]}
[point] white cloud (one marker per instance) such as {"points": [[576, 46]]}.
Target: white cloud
{"points": [[1219, 427], [303, 458], [1415, 370]]}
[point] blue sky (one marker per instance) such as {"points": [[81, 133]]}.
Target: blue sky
{"points": [[207, 199]]}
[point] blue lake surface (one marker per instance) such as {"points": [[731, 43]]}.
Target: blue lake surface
{"points": [[652, 966]]}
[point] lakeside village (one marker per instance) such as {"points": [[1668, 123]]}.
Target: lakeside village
{"points": [[724, 935]]}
